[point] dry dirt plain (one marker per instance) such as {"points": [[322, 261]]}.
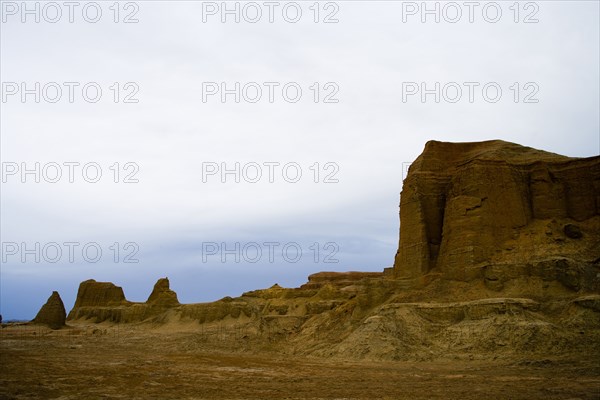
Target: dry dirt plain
{"points": [[105, 362]]}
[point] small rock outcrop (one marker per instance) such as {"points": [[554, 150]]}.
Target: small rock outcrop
{"points": [[320, 279], [52, 313], [162, 295]]}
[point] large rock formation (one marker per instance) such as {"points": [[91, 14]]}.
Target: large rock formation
{"points": [[499, 256], [496, 209], [103, 301], [52, 313]]}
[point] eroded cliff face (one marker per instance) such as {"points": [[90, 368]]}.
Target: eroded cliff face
{"points": [[99, 294], [499, 256], [95, 298], [473, 210], [103, 301]]}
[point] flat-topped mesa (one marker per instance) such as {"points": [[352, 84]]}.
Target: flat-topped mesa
{"points": [[92, 294], [341, 279], [465, 206], [52, 313], [162, 295]]}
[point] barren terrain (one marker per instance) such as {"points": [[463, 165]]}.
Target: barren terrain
{"points": [[494, 294], [110, 361]]}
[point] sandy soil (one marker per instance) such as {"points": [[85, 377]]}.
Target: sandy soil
{"points": [[92, 362]]}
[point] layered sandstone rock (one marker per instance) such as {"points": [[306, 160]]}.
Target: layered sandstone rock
{"points": [[99, 294], [162, 295], [52, 313], [499, 256], [468, 208], [316, 281], [98, 300], [103, 301]]}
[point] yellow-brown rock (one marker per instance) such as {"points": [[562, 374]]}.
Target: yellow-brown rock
{"points": [[466, 206], [52, 313], [162, 295]]}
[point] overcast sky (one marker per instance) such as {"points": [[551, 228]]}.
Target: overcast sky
{"points": [[366, 72]]}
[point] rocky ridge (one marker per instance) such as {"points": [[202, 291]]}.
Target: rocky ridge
{"points": [[499, 256]]}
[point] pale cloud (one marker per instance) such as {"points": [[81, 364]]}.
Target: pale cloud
{"points": [[369, 133]]}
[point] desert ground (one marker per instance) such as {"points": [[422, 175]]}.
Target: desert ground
{"points": [[101, 361]]}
